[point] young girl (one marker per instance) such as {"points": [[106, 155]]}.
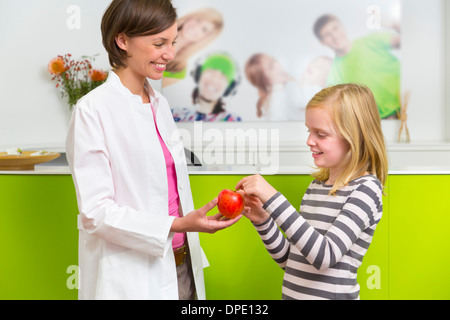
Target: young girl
{"points": [[326, 242]]}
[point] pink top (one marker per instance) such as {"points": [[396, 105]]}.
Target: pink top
{"points": [[179, 238]]}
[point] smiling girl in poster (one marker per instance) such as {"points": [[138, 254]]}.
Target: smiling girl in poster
{"points": [[196, 31], [217, 78]]}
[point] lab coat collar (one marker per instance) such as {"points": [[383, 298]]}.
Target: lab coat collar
{"points": [[115, 81]]}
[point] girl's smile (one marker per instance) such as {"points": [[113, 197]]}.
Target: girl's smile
{"points": [[212, 84], [316, 154]]}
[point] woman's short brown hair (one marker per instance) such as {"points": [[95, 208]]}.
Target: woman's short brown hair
{"points": [[134, 18]]}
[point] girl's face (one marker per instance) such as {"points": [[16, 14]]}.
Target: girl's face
{"points": [[328, 147], [212, 84], [195, 30], [148, 55]]}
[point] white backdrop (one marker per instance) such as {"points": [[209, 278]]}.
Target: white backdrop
{"points": [[32, 115], [32, 32], [283, 30]]}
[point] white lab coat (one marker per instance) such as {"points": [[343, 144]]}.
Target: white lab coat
{"points": [[119, 172]]}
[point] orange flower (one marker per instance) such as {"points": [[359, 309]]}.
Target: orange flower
{"points": [[97, 75], [56, 66]]}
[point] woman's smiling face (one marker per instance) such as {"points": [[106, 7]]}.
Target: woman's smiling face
{"points": [[148, 55]]}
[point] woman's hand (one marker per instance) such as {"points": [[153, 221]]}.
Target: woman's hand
{"points": [[256, 186], [198, 221]]}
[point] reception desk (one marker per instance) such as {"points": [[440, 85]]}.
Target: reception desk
{"points": [[408, 258]]}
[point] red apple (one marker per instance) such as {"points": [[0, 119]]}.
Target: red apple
{"points": [[230, 203]]}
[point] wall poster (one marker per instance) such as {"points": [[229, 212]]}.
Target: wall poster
{"points": [[261, 60]]}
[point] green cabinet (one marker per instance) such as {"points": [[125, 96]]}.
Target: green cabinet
{"points": [[419, 242], [241, 268], [38, 237], [408, 257], [373, 275]]}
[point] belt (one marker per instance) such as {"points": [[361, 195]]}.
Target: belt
{"points": [[180, 255]]}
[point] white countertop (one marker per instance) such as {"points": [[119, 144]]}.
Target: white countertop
{"points": [[416, 155], [420, 170], [247, 170], [40, 170]]}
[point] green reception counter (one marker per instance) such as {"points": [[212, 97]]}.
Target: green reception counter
{"points": [[409, 257]]}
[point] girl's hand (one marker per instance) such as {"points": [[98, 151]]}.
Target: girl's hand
{"points": [[257, 186], [253, 209]]}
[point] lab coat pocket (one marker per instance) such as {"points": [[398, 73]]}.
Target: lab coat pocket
{"points": [[123, 275]]}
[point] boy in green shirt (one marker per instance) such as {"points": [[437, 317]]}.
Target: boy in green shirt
{"points": [[366, 61]]}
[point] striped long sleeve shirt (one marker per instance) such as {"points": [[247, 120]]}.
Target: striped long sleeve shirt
{"points": [[325, 243]]}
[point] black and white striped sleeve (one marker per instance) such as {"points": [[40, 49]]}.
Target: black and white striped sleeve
{"points": [[274, 241], [325, 250]]}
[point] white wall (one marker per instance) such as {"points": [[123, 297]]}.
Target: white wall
{"points": [[423, 74], [423, 71], [34, 31], [447, 55]]}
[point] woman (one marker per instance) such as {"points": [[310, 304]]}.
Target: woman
{"points": [[137, 224]]}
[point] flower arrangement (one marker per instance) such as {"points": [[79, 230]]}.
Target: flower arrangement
{"points": [[75, 77]]}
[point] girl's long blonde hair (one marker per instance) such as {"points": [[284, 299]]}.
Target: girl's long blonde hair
{"points": [[355, 115]]}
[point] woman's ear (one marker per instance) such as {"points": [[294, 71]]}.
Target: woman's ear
{"points": [[122, 41]]}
